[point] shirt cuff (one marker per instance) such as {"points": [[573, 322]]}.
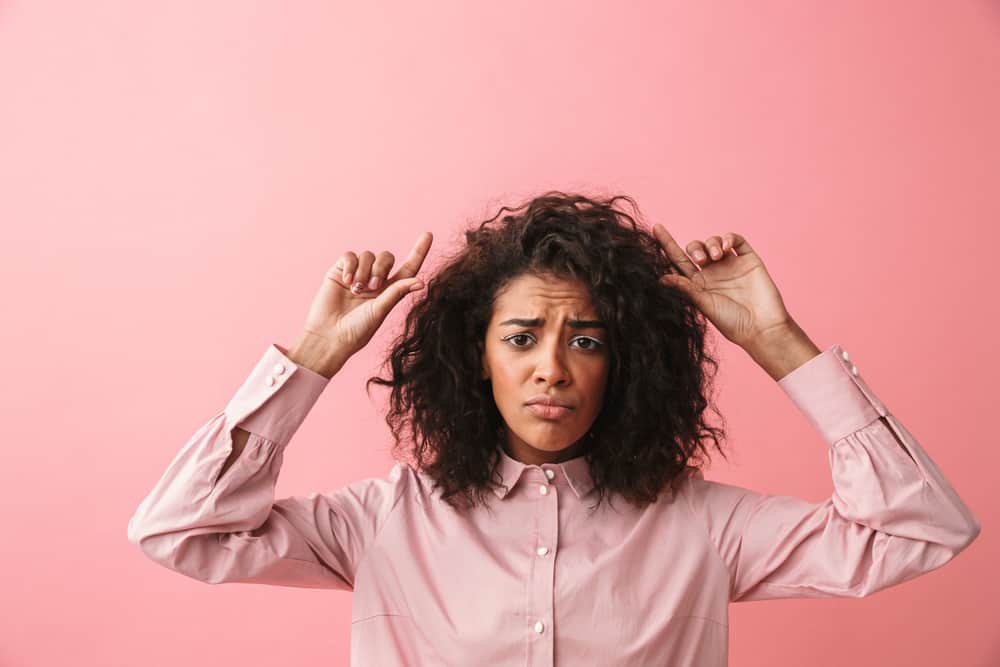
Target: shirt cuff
{"points": [[832, 394], [275, 399]]}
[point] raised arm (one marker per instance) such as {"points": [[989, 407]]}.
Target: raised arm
{"points": [[892, 516], [213, 516]]}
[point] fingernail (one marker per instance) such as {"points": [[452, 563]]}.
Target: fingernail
{"points": [[357, 287], [699, 254], [373, 283]]}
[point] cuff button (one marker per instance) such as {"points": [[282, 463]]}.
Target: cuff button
{"points": [[269, 381]]}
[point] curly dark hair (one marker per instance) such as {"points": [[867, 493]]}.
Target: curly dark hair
{"points": [[650, 427]]}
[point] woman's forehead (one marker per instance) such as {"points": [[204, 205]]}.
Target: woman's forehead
{"points": [[531, 296]]}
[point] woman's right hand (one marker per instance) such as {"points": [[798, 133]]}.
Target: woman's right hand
{"points": [[348, 318]]}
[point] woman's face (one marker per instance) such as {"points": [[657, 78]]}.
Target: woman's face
{"points": [[544, 339]]}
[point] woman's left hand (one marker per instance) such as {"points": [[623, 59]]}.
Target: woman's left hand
{"points": [[729, 284]]}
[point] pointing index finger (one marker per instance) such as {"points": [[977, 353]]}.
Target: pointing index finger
{"points": [[674, 251], [415, 259]]}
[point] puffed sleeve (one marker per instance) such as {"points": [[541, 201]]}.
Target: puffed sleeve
{"points": [[229, 528], [892, 515]]}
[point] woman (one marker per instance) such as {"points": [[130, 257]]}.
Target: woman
{"points": [[555, 362]]}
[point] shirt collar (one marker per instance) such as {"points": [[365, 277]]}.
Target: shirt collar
{"points": [[576, 470]]}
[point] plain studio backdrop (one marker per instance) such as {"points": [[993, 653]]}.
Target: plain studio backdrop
{"points": [[175, 179]]}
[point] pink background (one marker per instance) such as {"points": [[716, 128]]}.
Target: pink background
{"points": [[176, 178]]}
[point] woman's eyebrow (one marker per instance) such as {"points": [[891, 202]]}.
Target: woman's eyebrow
{"points": [[538, 321]]}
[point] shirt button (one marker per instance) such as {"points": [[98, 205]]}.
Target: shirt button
{"points": [[539, 627], [550, 473], [854, 370], [845, 355], [279, 369], [269, 380], [543, 489], [542, 551]]}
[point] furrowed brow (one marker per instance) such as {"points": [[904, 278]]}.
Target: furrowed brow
{"points": [[538, 321]]}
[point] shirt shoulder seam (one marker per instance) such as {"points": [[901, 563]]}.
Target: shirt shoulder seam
{"points": [[403, 488], [708, 535]]}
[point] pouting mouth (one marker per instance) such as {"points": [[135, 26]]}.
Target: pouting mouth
{"points": [[543, 399]]}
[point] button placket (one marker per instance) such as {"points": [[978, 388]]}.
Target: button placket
{"points": [[541, 551], [543, 573]]}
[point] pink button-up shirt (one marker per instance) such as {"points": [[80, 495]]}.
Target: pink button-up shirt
{"points": [[540, 580]]}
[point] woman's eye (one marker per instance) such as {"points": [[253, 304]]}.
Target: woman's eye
{"points": [[511, 338], [593, 343]]}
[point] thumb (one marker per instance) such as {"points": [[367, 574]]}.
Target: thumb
{"points": [[393, 294]]}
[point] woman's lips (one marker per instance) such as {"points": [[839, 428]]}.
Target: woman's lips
{"points": [[548, 411]]}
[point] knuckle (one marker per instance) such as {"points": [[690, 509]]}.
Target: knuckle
{"points": [[383, 263]]}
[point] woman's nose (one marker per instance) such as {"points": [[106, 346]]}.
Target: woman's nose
{"points": [[551, 367]]}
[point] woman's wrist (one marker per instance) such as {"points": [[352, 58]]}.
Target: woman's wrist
{"points": [[317, 354], [783, 350]]}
